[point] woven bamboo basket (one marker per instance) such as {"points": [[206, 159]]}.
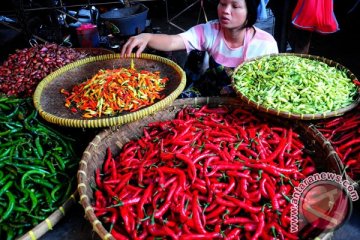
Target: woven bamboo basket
{"points": [[117, 137], [49, 223], [297, 116], [327, 144], [50, 102]]}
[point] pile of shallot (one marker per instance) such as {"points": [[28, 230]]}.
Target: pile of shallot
{"points": [[23, 70]]}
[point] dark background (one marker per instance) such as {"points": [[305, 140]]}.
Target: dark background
{"points": [[342, 46]]}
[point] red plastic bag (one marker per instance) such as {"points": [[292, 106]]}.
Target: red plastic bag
{"points": [[315, 15]]}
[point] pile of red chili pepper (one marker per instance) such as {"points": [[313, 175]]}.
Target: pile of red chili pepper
{"points": [[344, 134], [112, 91], [210, 173]]}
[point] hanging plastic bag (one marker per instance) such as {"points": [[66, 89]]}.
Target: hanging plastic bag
{"points": [[315, 16], [261, 10]]}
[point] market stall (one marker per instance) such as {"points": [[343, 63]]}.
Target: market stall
{"points": [[211, 154]]}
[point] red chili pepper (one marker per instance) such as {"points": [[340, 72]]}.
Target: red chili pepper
{"points": [[309, 170], [161, 211], [196, 214], [201, 188], [203, 236], [190, 164], [230, 186], [182, 208], [284, 214], [283, 232], [244, 206], [260, 226], [277, 151], [98, 180], [108, 159], [126, 217], [181, 174], [124, 180], [348, 144], [244, 188], [126, 202], [217, 150], [100, 201], [262, 188], [234, 234], [255, 196], [117, 235], [344, 138], [352, 162], [144, 199], [238, 220], [113, 169], [216, 213], [271, 192], [161, 231]]}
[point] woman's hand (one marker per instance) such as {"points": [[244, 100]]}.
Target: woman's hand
{"points": [[160, 42], [139, 41]]}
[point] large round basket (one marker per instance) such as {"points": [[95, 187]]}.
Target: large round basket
{"points": [[291, 115], [49, 223], [115, 138], [49, 101]]}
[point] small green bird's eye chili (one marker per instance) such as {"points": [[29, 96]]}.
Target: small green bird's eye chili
{"points": [[295, 84]]}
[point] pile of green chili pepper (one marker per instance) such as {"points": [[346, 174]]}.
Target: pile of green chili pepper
{"points": [[37, 168], [295, 84], [210, 173]]}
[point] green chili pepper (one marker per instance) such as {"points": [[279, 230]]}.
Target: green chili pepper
{"points": [[6, 187], [38, 146], [28, 173], [10, 207], [28, 178]]}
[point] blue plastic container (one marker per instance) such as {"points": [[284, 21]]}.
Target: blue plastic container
{"points": [[128, 20]]}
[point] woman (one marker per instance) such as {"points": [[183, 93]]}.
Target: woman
{"points": [[229, 41]]}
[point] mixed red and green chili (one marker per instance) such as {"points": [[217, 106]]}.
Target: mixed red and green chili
{"points": [[112, 91]]}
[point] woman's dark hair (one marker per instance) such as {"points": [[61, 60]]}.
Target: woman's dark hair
{"points": [[252, 6]]}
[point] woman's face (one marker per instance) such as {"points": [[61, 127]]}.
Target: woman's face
{"points": [[232, 13]]}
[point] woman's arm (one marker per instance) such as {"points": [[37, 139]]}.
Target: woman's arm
{"points": [[161, 42]]}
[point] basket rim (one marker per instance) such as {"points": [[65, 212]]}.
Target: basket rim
{"points": [[110, 121], [83, 178], [297, 116], [46, 225], [331, 149]]}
